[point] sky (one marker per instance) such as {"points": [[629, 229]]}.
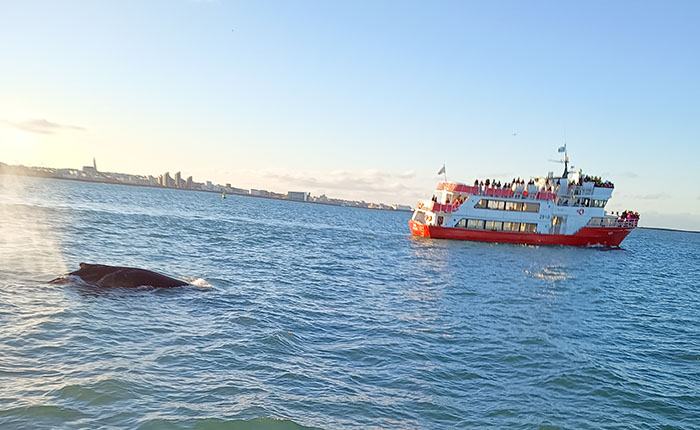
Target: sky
{"points": [[361, 100]]}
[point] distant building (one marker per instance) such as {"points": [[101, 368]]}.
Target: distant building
{"points": [[189, 182], [178, 180], [301, 196], [168, 181], [91, 170]]}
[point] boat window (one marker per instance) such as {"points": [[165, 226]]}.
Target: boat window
{"points": [[598, 203], [531, 207], [528, 228], [514, 206], [462, 223], [498, 225], [508, 206], [595, 222], [489, 225], [511, 226]]}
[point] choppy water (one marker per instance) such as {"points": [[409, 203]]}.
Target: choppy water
{"points": [[328, 317]]}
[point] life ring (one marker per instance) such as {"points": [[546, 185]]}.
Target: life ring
{"points": [[420, 205], [428, 218]]}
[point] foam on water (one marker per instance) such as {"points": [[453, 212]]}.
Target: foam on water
{"points": [[198, 282]]}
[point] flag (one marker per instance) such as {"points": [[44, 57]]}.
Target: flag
{"points": [[562, 149], [442, 170]]}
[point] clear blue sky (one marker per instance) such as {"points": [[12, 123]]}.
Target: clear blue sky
{"points": [[362, 100]]}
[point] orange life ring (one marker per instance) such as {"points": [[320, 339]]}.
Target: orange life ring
{"points": [[420, 205]]}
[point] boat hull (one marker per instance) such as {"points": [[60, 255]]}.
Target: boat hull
{"points": [[587, 236]]}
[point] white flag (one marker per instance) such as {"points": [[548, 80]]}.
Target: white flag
{"points": [[442, 170], [562, 149]]}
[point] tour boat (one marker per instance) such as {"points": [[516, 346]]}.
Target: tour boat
{"points": [[566, 210]]}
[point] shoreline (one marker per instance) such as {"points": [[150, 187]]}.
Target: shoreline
{"points": [[671, 229], [93, 181]]}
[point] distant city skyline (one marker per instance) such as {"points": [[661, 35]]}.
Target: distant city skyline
{"points": [[91, 174], [361, 100]]}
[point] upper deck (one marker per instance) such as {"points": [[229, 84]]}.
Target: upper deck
{"points": [[574, 191]]}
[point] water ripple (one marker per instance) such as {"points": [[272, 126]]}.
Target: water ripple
{"points": [[310, 316]]}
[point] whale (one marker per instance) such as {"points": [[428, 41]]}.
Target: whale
{"points": [[100, 275]]}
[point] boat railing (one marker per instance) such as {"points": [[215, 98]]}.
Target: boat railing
{"points": [[628, 222], [613, 222], [520, 192], [580, 190], [437, 207]]}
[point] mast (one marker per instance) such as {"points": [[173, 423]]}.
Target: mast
{"points": [[566, 161]]}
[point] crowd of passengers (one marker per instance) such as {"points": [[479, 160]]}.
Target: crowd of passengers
{"points": [[492, 183], [596, 179], [629, 215], [518, 185]]}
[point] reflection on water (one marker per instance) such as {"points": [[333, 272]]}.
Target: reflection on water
{"points": [[550, 274]]}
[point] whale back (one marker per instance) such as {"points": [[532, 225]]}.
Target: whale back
{"points": [[126, 277]]}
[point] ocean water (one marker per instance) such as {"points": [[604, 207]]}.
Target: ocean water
{"points": [[311, 316]]}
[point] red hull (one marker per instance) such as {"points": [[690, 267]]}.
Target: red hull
{"points": [[605, 236]]}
